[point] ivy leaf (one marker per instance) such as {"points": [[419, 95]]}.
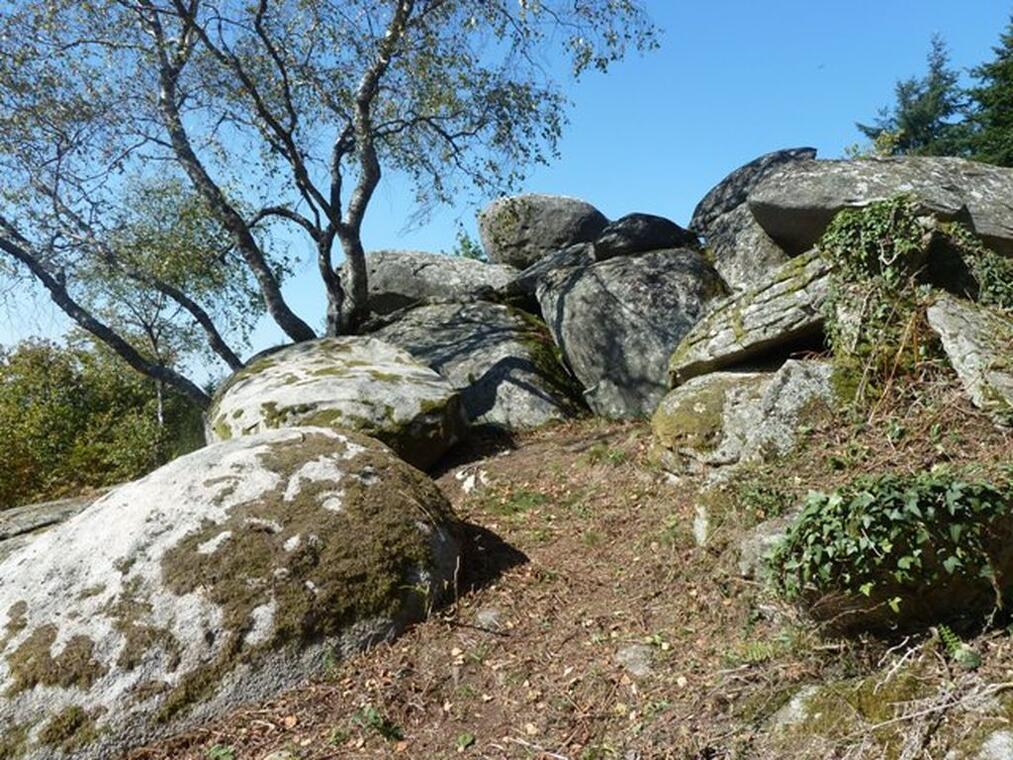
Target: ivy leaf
{"points": [[951, 563]]}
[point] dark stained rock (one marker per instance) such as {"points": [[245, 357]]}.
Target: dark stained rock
{"points": [[733, 190], [616, 321], [523, 229], [636, 233], [502, 361], [739, 248]]}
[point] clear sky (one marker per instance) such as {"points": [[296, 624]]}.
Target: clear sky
{"points": [[733, 79]]}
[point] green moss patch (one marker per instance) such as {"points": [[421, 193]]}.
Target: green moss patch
{"points": [[32, 663], [69, 729], [350, 564]]}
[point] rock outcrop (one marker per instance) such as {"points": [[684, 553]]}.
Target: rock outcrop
{"points": [[741, 251], [223, 577], [522, 229], [797, 202], [637, 233], [726, 418], [616, 321], [502, 361], [357, 383], [978, 341], [397, 279], [782, 311]]}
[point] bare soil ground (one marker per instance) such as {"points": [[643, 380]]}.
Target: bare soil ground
{"points": [[583, 568]]}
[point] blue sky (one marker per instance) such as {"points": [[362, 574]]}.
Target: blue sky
{"points": [[733, 79]]}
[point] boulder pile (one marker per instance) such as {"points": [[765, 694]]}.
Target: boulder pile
{"points": [[307, 528]]}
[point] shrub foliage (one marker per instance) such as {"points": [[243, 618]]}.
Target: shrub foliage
{"points": [[893, 537], [78, 418], [887, 257]]}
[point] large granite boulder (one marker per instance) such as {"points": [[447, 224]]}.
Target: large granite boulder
{"points": [[617, 320], [733, 190], [727, 418], [741, 251], [522, 229], [797, 202], [223, 577], [782, 312], [637, 233], [502, 361], [978, 341], [358, 383], [397, 279]]}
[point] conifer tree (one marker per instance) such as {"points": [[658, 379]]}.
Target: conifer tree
{"points": [[992, 115]]}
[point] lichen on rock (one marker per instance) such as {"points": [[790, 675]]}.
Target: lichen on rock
{"points": [[233, 572]]}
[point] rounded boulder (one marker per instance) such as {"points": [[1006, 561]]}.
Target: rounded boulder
{"points": [[223, 577], [356, 383]]}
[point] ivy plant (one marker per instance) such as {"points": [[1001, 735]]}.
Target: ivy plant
{"points": [[893, 537], [886, 259]]}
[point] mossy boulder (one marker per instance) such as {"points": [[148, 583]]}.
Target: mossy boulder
{"points": [[519, 230], [693, 425], [502, 361], [357, 383], [726, 418], [223, 577], [617, 321]]}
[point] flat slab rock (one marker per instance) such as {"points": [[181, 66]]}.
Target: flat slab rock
{"points": [[357, 383], [20, 525], [397, 279], [221, 578], [501, 360], [979, 344], [797, 202], [617, 321], [783, 310], [521, 229]]}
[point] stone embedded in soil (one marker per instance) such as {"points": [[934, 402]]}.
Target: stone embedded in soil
{"points": [[636, 659]]}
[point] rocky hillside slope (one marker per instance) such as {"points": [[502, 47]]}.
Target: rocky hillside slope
{"points": [[458, 532]]}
